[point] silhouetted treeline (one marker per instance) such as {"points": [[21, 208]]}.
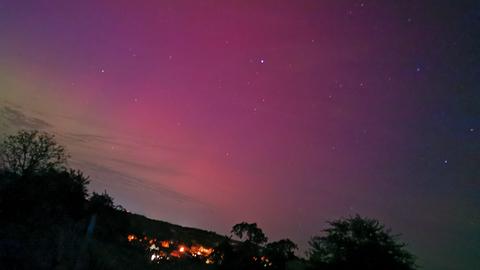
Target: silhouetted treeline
{"points": [[45, 209], [49, 221]]}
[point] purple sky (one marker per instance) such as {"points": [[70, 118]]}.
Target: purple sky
{"points": [[284, 113]]}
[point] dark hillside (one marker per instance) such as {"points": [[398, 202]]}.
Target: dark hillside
{"points": [[142, 225]]}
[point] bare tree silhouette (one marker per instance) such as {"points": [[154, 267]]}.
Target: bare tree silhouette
{"points": [[28, 152]]}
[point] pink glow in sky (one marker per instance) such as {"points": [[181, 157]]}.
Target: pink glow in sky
{"points": [[285, 113]]}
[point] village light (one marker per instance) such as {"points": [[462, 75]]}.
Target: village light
{"points": [[131, 237], [161, 247]]}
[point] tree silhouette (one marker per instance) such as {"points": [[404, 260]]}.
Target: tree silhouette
{"points": [[358, 243], [244, 255], [101, 201], [251, 231], [42, 215], [280, 252], [28, 152]]}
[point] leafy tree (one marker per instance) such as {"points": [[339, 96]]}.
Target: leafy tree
{"points": [[247, 254], [110, 221], [29, 152], [251, 231], [280, 252], [358, 243], [81, 181], [101, 201]]}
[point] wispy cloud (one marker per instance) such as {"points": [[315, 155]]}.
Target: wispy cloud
{"points": [[13, 118], [135, 164], [161, 169], [129, 181]]}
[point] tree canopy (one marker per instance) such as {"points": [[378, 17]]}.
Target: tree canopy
{"points": [[283, 248], [251, 231], [31, 151], [281, 251], [358, 243]]}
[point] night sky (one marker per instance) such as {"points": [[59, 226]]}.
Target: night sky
{"points": [[284, 113]]}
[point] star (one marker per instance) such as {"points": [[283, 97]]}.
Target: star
{"points": [[262, 61]]}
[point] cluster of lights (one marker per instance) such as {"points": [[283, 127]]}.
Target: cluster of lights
{"points": [[169, 250], [162, 250], [263, 260]]}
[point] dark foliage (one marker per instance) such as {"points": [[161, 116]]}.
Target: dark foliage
{"points": [[358, 243], [29, 152], [280, 252], [99, 202], [41, 216], [252, 233], [55, 195], [251, 253], [48, 221]]}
